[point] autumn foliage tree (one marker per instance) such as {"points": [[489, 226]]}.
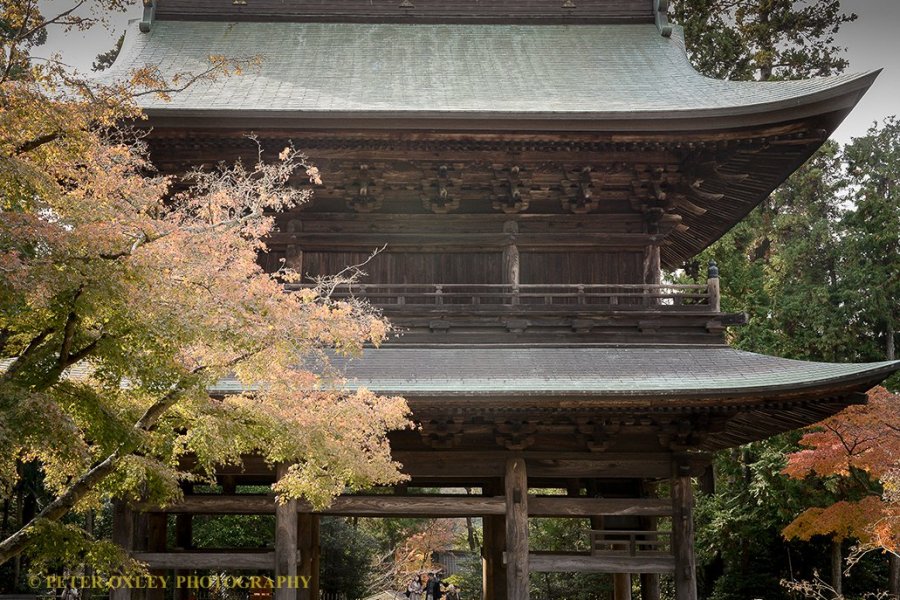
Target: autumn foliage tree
{"points": [[122, 302], [857, 451]]}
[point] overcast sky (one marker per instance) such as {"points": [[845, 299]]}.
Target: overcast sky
{"points": [[873, 42]]}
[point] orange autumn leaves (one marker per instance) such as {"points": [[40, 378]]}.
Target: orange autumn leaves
{"points": [[861, 447]]}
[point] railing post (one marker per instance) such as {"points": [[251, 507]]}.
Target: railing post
{"points": [[581, 299], [712, 286], [439, 294], [515, 294]]}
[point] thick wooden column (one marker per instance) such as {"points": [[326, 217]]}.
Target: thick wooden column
{"points": [[184, 540], [649, 581], [285, 547], [122, 535], [516, 484], [622, 586], [308, 540], [156, 542], [683, 532], [493, 570]]}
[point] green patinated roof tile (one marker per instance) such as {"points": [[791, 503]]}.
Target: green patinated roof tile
{"points": [[529, 70]]}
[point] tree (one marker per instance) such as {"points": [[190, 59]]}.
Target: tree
{"points": [[857, 452], [763, 39], [872, 235], [122, 302]]}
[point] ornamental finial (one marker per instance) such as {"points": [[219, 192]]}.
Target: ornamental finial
{"points": [[713, 272]]}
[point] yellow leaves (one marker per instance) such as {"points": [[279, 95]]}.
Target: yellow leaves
{"points": [[841, 520]]}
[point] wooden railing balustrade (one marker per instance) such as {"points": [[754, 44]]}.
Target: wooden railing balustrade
{"points": [[608, 296], [608, 542]]}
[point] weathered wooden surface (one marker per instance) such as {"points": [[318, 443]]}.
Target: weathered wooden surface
{"points": [[156, 542], [547, 506], [123, 522], [285, 545], [433, 506], [683, 533], [621, 586], [413, 11], [584, 563], [207, 560], [307, 546], [517, 570]]}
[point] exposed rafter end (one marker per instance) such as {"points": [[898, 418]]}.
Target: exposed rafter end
{"points": [[661, 10], [149, 13]]}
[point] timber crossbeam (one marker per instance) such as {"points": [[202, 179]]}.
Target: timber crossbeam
{"points": [[541, 562], [431, 506]]}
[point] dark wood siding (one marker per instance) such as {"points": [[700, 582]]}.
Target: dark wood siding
{"points": [[409, 267], [582, 267], [421, 10]]}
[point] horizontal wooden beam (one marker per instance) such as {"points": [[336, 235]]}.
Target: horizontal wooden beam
{"points": [[427, 506], [461, 241], [549, 506], [475, 464], [586, 563], [207, 560]]}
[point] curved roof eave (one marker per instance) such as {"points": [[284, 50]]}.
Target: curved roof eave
{"points": [[619, 377], [458, 76], [838, 99]]}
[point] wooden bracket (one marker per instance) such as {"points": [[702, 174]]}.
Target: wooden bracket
{"points": [[365, 200], [515, 435], [443, 434], [512, 191], [438, 196]]}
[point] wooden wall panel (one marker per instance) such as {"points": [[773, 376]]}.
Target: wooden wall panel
{"points": [[410, 10], [410, 267], [582, 267]]}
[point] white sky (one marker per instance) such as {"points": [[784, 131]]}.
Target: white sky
{"points": [[872, 42]]}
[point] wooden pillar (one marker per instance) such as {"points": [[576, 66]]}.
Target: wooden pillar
{"points": [[683, 532], [317, 553], [285, 547], [516, 484], [494, 585], [622, 586], [511, 254], [307, 540], [122, 535], [712, 284], [652, 268], [649, 581], [156, 542], [184, 540], [621, 581]]}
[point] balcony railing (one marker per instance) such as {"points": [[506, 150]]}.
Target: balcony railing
{"points": [[593, 296], [608, 542]]}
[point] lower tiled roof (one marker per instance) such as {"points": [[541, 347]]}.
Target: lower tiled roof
{"points": [[589, 371]]}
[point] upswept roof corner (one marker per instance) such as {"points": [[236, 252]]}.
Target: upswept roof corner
{"points": [[624, 73]]}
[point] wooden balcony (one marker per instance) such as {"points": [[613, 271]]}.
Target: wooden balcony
{"points": [[557, 313], [608, 542], [538, 297]]}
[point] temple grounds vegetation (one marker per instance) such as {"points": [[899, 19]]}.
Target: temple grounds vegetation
{"points": [[102, 282]]}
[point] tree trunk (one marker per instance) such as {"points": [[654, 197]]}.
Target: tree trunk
{"points": [[890, 342], [837, 565]]}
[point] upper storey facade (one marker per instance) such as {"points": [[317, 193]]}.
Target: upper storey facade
{"points": [[489, 147]]}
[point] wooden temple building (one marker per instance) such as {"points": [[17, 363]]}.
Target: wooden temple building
{"points": [[530, 167]]}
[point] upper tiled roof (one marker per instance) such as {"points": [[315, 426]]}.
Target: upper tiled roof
{"points": [[586, 72], [682, 371]]}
